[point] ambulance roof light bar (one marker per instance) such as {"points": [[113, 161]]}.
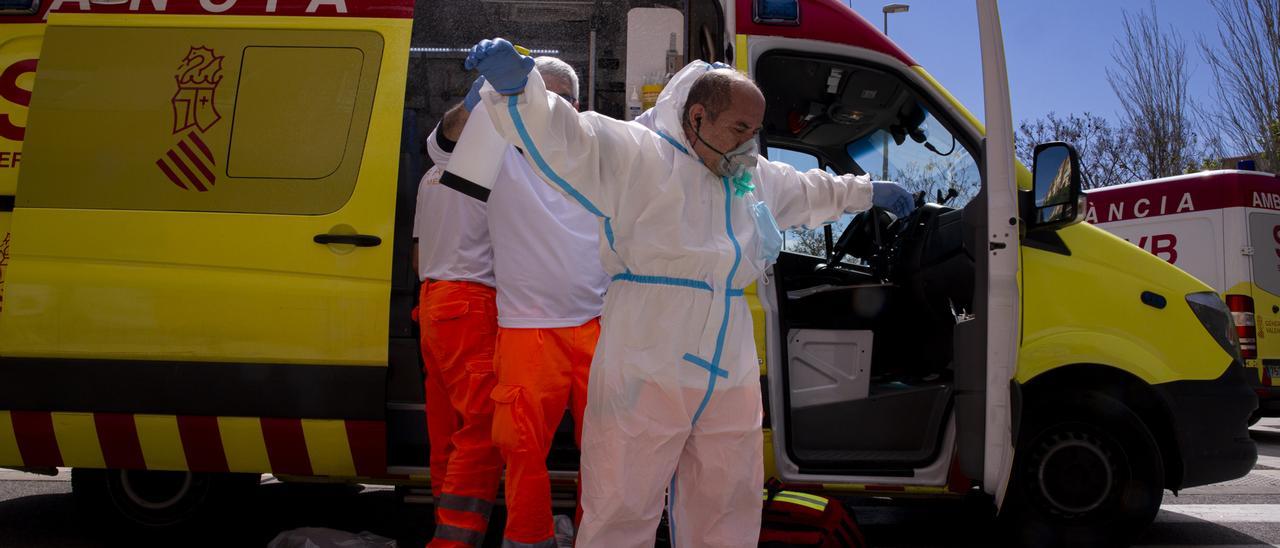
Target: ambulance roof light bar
{"points": [[776, 12]]}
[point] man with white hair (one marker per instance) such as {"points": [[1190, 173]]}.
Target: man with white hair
{"points": [[551, 285]]}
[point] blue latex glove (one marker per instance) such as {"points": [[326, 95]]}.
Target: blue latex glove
{"points": [[499, 62], [893, 198], [473, 96]]}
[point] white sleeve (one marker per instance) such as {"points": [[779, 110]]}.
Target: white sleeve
{"points": [[589, 157], [439, 148], [648, 118], [811, 198], [418, 208]]}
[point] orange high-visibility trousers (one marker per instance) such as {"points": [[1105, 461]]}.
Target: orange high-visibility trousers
{"points": [[540, 372], [459, 324]]}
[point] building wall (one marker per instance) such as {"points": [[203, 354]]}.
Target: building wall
{"points": [[437, 80]]}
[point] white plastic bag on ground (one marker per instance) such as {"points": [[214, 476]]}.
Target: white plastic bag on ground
{"points": [[318, 537]]}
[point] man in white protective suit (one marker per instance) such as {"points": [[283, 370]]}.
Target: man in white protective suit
{"points": [[673, 402]]}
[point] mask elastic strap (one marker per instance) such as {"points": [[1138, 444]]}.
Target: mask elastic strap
{"points": [[697, 131]]}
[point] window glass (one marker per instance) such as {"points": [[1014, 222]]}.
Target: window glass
{"points": [[811, 241], [924, 158], [293, 112]]}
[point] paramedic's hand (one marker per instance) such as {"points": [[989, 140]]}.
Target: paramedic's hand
{"points": [[893, 198], [500, 63], [473, 96]]}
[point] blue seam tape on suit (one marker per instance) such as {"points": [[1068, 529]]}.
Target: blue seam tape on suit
{"points": [[552, 175], [673, 142], [662, 280], [728, 283], [706, 365]]}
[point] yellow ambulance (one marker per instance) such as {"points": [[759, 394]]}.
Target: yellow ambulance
{"points": [[207, 257], [1221, 227]]}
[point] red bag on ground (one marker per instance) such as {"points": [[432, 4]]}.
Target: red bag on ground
{"points": [[799, 519]]}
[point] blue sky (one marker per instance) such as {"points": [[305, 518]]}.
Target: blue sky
{"points": [[1057, 52]]}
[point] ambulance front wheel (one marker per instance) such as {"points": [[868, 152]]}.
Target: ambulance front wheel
{"points": [[152, 502], [1087, 472]]}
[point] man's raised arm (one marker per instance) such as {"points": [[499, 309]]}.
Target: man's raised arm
{"points": [[585, 155]]}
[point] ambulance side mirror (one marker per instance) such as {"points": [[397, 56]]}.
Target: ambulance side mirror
{"points": [[1055, 199]]}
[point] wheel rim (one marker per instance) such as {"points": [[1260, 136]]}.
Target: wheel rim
{"points": [[1076, 472], [155, 490]]}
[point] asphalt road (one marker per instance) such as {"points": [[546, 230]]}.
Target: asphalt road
{"points": [[38, 512]]}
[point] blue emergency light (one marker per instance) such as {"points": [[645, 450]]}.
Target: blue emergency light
{"points": [[777, 12]]}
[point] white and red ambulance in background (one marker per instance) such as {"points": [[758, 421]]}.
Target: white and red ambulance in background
{"points": [[1222, 227]]}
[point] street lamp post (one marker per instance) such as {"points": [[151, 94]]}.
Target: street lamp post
{"points": [[890, 8]]}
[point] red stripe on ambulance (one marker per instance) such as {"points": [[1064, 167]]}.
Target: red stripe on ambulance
{"points": [[368, 441], [201, 439], [118, 437], [1183, 194], [286, 446], [36, 440], [202, 444]]}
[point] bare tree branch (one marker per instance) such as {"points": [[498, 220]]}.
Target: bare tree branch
{"points": [[1245, 62], [1106, 153], [1150, 78]]}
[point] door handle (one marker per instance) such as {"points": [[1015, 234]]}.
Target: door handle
{"points": [[358, 240]]}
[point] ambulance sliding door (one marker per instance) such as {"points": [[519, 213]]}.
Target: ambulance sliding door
{"points": [[206, 217]]}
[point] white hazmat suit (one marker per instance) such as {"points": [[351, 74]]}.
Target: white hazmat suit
{"points": [[673, 403]]}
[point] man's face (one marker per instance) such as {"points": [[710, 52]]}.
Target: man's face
{"points": [[739, 123], [562, 88]]}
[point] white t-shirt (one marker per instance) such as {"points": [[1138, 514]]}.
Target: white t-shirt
{"points": [[452, 230], [546, 250]]}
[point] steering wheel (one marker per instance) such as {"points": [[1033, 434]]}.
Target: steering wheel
{"points": [[867, 237]]}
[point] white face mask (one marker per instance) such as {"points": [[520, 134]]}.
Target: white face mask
{"points": [[735, 163]]}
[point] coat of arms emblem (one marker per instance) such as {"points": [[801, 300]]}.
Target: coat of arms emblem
{"points": [[198, 77], [189, 163]]}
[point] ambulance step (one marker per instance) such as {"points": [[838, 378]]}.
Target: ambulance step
{"points": [[416, 495]]}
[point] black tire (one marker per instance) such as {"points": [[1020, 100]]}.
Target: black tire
{"points": [[1087, 472], [152, 505]]}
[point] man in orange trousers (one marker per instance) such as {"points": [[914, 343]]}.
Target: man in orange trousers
{"points": [[551, 285], [458, 319]]}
